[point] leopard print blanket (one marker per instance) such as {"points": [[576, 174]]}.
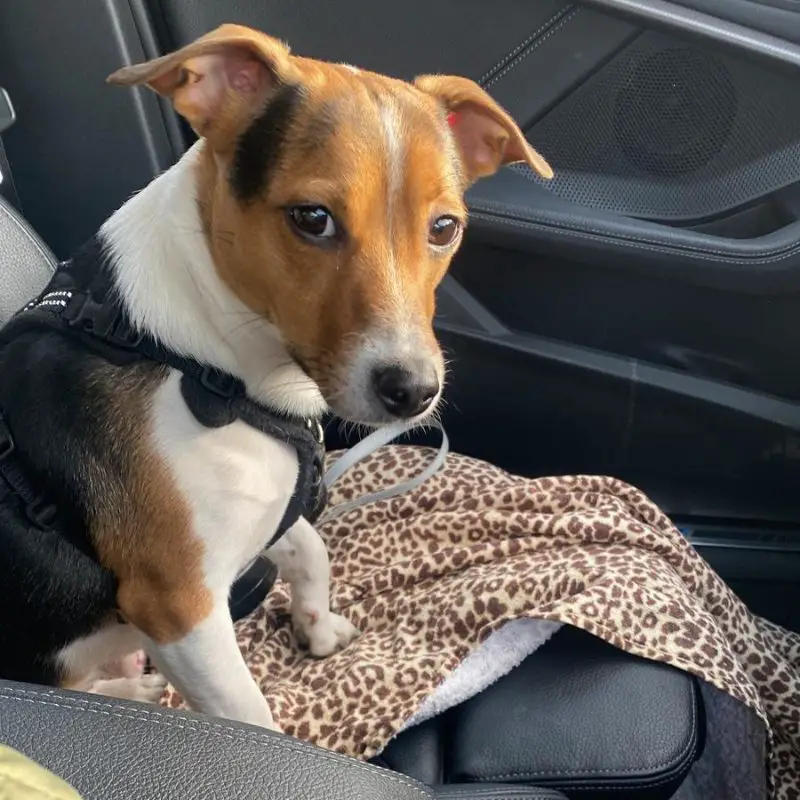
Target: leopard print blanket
{"points": [[429, 575]]}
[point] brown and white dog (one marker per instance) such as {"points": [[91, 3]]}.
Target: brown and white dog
{"points": [[297, 246]]}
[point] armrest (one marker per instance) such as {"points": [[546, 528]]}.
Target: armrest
{"points": [[116, 750], [579, 716], [583, 717]]}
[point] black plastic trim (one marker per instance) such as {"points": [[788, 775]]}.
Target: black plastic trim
{"points": [[8, 116], [132, 48], [660, 13], [7, 187], [508, 209], [766, 273], [153, 46], [478, 323]]}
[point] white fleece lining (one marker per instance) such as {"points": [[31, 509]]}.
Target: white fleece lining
{"points": [[505, 649]]}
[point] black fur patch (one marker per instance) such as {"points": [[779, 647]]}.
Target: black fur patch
{"points": [[53, 394], [259, 148]]}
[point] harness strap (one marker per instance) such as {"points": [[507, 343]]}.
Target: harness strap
{"points": [[305, 436], [81, 301], [38, 511]]}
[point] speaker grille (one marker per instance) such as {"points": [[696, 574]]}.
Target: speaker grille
{"points": [[671, 131]]}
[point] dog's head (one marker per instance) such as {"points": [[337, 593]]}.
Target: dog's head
{"points": [[332, 200]]}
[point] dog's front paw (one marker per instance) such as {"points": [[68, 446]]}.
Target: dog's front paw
{"points": [[148, 688], [132, 666], [323, 634], [142, 688]]}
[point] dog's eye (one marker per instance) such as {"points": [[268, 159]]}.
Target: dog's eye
{"points": [[444, 231], [315, 222]]}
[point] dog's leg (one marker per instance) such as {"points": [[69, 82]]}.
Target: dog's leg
{"points": [[302, 559], [108, 662], [144, 688], [207, 668]]}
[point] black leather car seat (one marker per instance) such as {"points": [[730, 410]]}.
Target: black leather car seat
{"points": [[26, 262]]}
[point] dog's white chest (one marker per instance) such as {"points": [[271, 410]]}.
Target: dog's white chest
{"points": [[236, 480]]}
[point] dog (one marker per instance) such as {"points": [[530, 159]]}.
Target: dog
{"points": [[284, 268]]}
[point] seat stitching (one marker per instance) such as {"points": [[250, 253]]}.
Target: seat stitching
{"points": [[502, 62], [627, 787], [538, 43], [199, 726], [504, 794]]}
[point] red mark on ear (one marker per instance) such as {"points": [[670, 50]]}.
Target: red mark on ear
{"points": [[452, 118]]}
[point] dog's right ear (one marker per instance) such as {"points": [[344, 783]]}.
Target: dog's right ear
{"points": [[486, 134], [218, 81]]}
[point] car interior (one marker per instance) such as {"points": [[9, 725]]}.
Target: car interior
{"points": [[633, 317]]}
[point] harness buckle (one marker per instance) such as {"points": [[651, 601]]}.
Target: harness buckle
{"points": [[6, 441], [41, 513], [84, 312], [124, 335], [220, 383]]}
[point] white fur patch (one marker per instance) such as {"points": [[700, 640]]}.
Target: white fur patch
{"points": [[302, 560], [395, 150], [401, 345], [171, 288], [209, 671], [236, 480], [395, 160], [82, 658]]}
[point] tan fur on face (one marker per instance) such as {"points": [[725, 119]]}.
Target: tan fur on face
{"points": [[139, 522], [384, 271]]}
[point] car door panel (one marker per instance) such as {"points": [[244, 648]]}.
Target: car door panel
{"points": [[672, 132], [683, 429]]}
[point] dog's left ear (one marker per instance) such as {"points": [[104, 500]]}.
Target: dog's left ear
{"points": [[218, 81], [486, 134]]}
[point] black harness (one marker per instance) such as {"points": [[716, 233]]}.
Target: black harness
{"points": [[81, 301]]}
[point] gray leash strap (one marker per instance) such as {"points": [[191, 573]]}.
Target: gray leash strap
{"points": [[366, 447]]}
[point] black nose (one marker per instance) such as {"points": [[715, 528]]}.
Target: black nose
{"points": [[403, 393]]}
